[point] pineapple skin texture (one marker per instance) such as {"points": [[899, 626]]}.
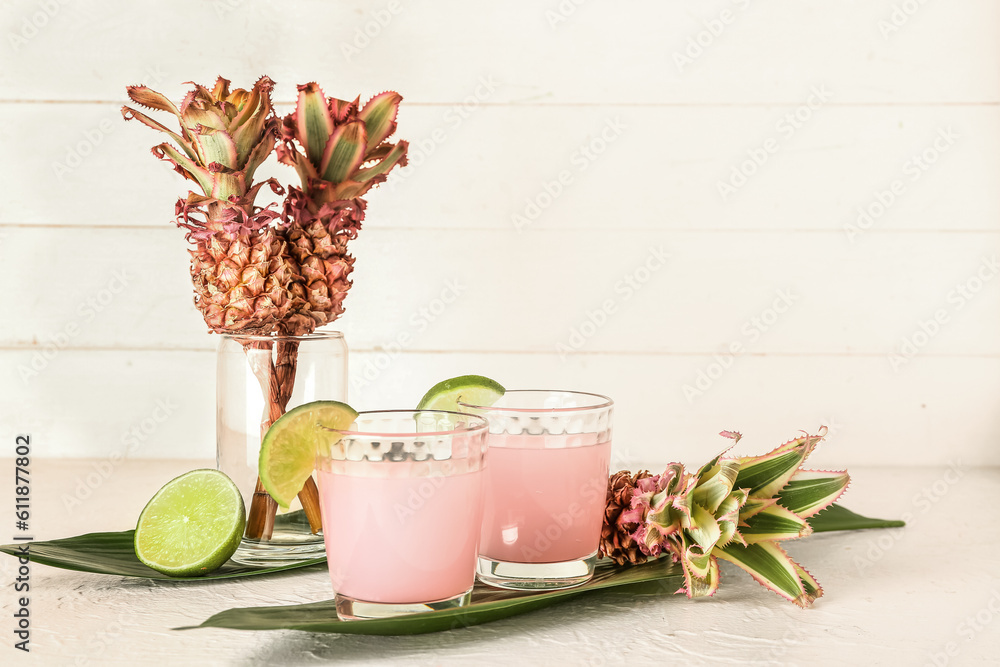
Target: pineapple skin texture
{"points": [[282, 281]]}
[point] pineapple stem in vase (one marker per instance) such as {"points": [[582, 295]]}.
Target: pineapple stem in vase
{"points": [[263, 508], [260, 519], [309, 497], [285, 367], [277, 379]]}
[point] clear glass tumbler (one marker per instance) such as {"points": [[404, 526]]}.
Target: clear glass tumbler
{"points": [[259, 378], [402, 506], [546, 484]]}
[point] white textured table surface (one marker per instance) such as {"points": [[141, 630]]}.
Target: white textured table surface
{"points": [[928, 594]]}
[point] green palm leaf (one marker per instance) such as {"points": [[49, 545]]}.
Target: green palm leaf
{"points": [[838, 517], [488, 604], [114, 553]]}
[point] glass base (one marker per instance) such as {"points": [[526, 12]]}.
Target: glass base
{"points": [[277, 554], [535, 576], [350, 609]]}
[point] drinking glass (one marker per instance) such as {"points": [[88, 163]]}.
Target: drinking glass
{"points": [[545, 488], [401, 494]]}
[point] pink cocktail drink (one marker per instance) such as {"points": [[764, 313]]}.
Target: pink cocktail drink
{"points": [[403, 539], [546, 484], [402, 505], [545, 498]]}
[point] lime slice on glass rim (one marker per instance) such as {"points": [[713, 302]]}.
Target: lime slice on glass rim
{"points": [[192, 525], [288, 452], [468, 389]]}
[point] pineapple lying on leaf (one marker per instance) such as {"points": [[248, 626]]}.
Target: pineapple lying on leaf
{"points": [[736, 509]]}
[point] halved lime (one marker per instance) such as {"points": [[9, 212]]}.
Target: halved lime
{"points": [[288, 452], [468, 389], [192, 525]]}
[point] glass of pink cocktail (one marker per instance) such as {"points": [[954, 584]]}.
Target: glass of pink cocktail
{"points": [[402, 503], [546, 484]]}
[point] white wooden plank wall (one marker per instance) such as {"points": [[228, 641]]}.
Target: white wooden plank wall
{"points": [[617, 195]]}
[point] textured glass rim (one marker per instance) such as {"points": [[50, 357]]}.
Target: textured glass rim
{"points": [[316, 335], [607, 402], [482, 425]]}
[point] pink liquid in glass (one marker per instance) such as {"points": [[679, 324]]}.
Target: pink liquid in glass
{"points": [[543, 505], [401, 539]]}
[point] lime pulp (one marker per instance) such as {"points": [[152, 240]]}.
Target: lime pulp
{"points": [[192, 525]]}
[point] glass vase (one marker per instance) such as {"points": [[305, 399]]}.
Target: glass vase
{"points": [[259, 378]]}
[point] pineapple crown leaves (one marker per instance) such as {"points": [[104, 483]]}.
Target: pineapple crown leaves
{"points": [[739, 510], [225, 135], [339, 148]]}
